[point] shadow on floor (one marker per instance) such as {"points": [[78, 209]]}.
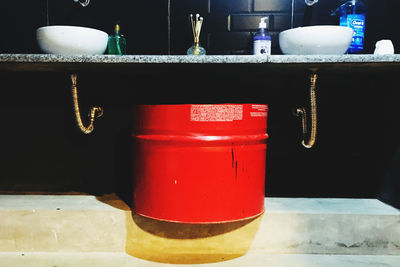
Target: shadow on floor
{"points": [[182, 243]]}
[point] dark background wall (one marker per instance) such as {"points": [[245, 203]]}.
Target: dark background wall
{"points": [[163, 26], [42, 149]]}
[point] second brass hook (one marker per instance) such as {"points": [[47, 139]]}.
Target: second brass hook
{"points": [[85, 129], [302, 112]]}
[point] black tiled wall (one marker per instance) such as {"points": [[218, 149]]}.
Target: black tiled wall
{"points": [[235, 22], [163, 26], [238, 21], [277, 6]]}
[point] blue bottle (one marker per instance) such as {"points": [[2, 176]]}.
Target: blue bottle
{"points": [[262, 40], [352, 14]]}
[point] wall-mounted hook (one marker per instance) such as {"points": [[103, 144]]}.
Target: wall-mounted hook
{"points": [[301, 112], [92, 114]]}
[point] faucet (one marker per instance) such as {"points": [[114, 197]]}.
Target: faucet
{"points": [[308, 2], [83, 3]]}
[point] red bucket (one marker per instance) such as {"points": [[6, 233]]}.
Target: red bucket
{"points": [[199, 163]]}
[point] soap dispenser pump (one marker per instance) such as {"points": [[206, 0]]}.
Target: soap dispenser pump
{"points": [[262, 40], [116, 42]]}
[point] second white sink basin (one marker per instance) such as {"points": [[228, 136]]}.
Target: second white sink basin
{"points": [[315, 40], [71, 40]]}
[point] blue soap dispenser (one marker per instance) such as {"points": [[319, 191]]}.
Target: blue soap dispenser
{"points": [[352, 14], [262, 40]]}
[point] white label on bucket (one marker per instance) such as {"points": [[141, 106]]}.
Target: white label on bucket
{"points": [[258, 110], [216, 112]]}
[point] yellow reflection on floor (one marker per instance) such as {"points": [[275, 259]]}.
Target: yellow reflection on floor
{"points": [[179, 243]]}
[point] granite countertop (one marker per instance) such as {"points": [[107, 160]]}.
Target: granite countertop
{"points": [[362, 58], [51, 62]]}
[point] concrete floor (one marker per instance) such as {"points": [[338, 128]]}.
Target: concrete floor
{"points": [[77, 230], [249, 260]]}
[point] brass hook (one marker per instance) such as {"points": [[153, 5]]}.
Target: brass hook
{"points": [[92, 114], [302, 112]]}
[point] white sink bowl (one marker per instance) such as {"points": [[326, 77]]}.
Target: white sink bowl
{"points": [[316, 40], [71, 40]]}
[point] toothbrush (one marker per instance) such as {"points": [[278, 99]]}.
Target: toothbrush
{"points": [[193, 24]]}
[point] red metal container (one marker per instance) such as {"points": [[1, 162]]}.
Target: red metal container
{"points": [[202, 163]]}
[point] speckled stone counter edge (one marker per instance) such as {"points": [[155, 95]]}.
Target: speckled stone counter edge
{"points": [[215, 59]]}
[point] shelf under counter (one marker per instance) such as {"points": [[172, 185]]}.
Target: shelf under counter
{"points": [[128, 63]]}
